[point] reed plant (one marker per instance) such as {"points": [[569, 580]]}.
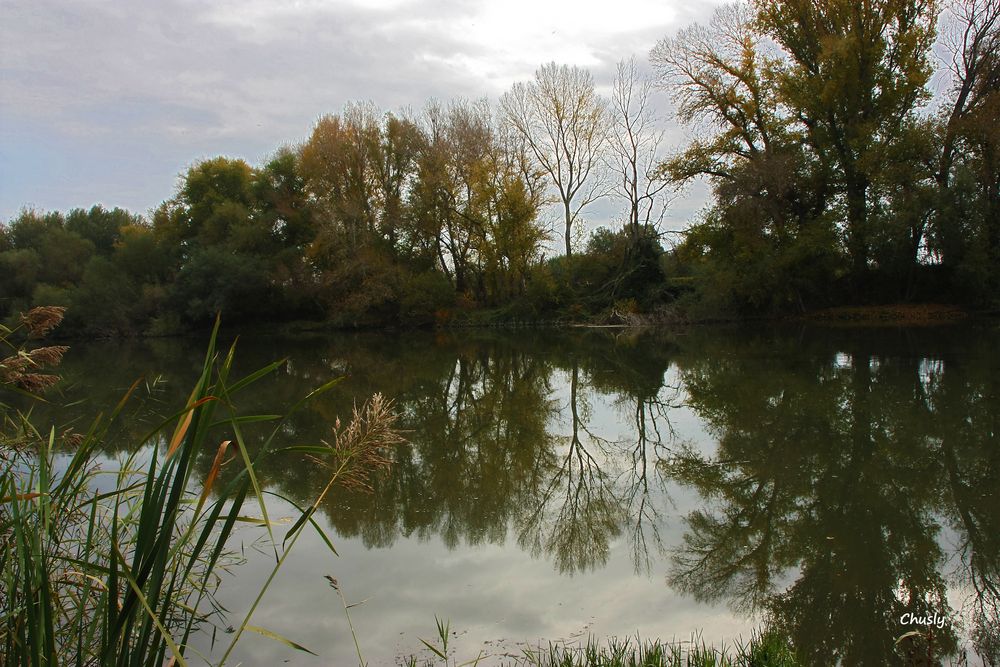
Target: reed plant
{"points": [[121, 567], [763, 649]]}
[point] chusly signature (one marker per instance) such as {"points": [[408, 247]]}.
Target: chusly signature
{"points": [[910, 618]]}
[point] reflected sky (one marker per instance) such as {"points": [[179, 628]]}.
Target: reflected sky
{"points": [[555, 484]]}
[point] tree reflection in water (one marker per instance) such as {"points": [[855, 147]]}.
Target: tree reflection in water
{"points": [[848, 477], [601, 486], [843, 473], [577, 514]]}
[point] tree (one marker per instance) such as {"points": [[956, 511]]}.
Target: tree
{"points": [[475, 201], [634, 146], [854, 74], [766, 242], [215, 197], [100, 226], [280, 192], [817, 149], [967, 220], [214, 280], [441, 199], [339, 163], [724, 83], [395, 171], [510, 200], [973, 41], [562, 120], [62, 253], [288, 216]]}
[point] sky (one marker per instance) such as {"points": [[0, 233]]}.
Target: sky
{"points": [[110, 101]]}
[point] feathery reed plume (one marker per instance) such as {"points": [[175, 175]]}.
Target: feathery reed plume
{"points": [[35, 383], [71, 438], [42, 319], [47, 356], [360, 449], [13, 366], [16, 369]]}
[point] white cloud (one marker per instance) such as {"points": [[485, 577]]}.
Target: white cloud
{"points": [[176, 80]]}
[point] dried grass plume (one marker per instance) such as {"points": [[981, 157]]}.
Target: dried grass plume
{"points": [[20, 369], [42, 319], [362, 448]]}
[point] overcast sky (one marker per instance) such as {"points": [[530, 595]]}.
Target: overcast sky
{"points": [[108, 101]]}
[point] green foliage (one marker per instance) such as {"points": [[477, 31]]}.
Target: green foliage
{"points": [[282, 201], [615, 268], [214, 280], [101, 227], [19, 270], [143, 257], [740, 273], [107, 264], [216, 195], [61, 252], [427, 299], [104, 301]]}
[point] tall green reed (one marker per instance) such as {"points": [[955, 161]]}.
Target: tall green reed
{"points": [[127, 576]]}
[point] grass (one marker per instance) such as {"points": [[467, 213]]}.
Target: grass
{"points": [[765, 649], [126, 575]]}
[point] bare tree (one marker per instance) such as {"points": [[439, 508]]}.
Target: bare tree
{"points": [[973, 39], [721, 82], [972, 36], [562, 119], [634, 146]]}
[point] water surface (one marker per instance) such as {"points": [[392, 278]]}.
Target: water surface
{"points": [[561, 483]]}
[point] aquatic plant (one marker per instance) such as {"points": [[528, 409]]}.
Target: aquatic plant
{"points": [[127, 575], [766, 648]]}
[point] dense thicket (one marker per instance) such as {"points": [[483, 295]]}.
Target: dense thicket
{"points": [[837, 178]]}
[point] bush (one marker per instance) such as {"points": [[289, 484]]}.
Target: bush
{"points": [[426, 298]]}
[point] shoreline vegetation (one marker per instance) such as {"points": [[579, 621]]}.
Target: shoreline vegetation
{"points": [[104, 565], [840, 186], [766, 648]]}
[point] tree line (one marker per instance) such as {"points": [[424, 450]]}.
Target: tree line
{"points": [[836, 178]]}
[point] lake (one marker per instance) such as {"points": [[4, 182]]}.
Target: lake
{"points": [[838, 483]]}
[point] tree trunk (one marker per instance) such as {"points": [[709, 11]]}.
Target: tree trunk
{"points": [[569, 229]]}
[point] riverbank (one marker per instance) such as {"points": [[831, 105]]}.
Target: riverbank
{"points": [[899, 314], [908, 314]]}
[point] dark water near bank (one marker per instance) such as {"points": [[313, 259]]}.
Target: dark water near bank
{"points": [[559, 483]]}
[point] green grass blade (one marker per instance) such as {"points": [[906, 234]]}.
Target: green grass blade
{"points": [[264, 632], [142, 599], [241, 443], [256, 375], [305, 515]]}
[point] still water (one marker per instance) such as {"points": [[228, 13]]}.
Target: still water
{"points": [[557, 484]]}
